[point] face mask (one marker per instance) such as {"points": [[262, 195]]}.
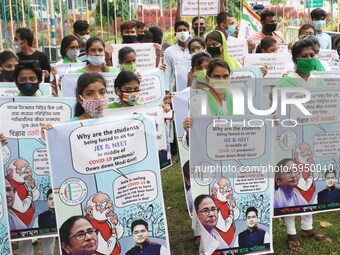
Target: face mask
{"points": [[73, 54], [130, 98], [202, 30], [28, 89], [219, 85], [94, 108], [7, 75], [197, 51], [306, 65], [129, 38], [200, 75], [17, 47], [214, 51], [96, 60], [140, 38], [319, 24], [231, 30], [128, 67], [270, 27], [83, 39], [182, 36]]}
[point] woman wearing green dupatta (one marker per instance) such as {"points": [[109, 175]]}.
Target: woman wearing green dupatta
{"points": [[217, 47]]}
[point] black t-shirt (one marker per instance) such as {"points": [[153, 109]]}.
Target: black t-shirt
{"points": [[41, 58]]}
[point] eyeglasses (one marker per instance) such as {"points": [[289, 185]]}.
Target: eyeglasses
{"points": [[103, 204], [206, 211], [81, 235], [23, 168]]}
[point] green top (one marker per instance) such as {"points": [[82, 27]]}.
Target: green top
{"points": [[111, 70], [37, 94], [73, 119], [113, 105], [66, 60], [215, 108], [288, 81]]}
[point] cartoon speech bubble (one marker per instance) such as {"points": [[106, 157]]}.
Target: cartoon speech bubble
{"points": [[327, 144], [40, 162], [250, 179], [324, 107], [26, 118], [139, 187], [237, 142], [96, 149]]}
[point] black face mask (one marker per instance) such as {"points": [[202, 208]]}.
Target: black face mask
{"points": [[202, 30], [28, 89], [214, 51], [270, 27], [7, 75], [129, 38], [140, 38]]}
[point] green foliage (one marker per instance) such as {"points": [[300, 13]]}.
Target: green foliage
{"points": [[167, 4], [233, 7], [14, 10], [112, 11]]}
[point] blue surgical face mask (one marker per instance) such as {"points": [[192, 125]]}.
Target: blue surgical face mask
{"points": [[96, 60], [319, 24], [231, 30]]}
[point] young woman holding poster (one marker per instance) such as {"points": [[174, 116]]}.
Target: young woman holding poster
{"points": [[95, 51], [303, 53]]}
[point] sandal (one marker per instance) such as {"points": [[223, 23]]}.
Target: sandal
{"points": [[317, 236], [293, 243]]}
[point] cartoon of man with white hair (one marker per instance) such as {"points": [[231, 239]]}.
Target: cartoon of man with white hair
{"points": [[222, 194], [19, 175], [100, 213]]}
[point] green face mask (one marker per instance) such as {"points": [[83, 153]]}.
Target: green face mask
{"points": [[200, 75], [305, 65], [128, 67]]}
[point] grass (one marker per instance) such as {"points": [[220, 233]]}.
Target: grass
{"points": [[181, 235]]}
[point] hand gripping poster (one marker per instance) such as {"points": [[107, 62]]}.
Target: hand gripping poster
{"points": [[6, 201], [231, 185], [25, 161], [107, 186], [308, 155]]}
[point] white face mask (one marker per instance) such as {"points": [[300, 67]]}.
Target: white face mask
{"points": [[17, 47], [182, 36], [96, 60], [83, 39]]}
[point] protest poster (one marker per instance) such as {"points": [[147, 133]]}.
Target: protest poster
{"points": [[180, 103], [25, 159], [328, 55], [335, 66], [207, 7], [238, 49], [9, 89], [155, 111], [5, 241], [331, 78], [274, 61], [311, 143], [108, 174], [145, 55], [230, 158], [152, 86], [181, 70], [64, 68]]}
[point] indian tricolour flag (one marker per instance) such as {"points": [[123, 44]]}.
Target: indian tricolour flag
{"points": [[250, 22]]}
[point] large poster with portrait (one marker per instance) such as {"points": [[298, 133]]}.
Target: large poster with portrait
{"points": [[108, 188], [152, 87], [6, 201], [25, 160], [308, 155], [231, 183]]}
